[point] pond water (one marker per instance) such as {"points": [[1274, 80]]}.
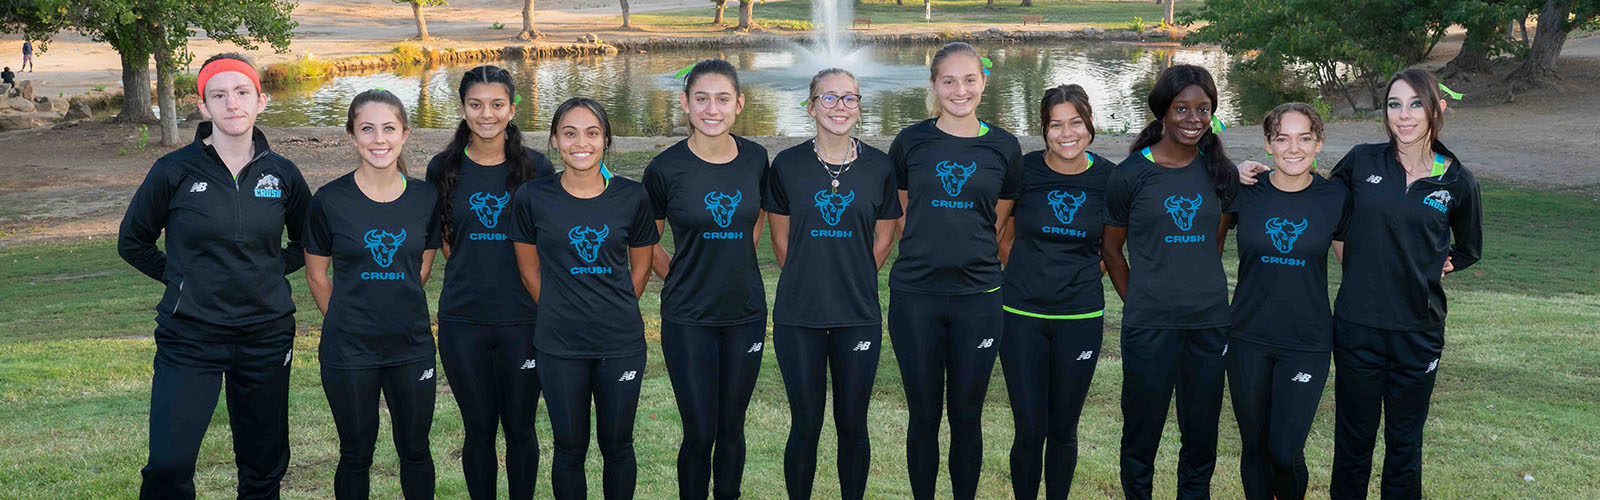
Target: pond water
{"points": [[641, 96]]}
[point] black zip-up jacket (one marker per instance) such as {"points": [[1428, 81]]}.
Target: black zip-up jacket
{"points": [[225, 259], [1397, 238]]}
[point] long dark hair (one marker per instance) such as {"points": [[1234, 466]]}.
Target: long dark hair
{"points": [[521, 166], [1427, 88], [1224, 176], [379, 96]]}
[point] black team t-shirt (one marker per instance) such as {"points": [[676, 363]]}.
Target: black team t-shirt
{"points": [[1054, 269], [480, 279], [378, 313], [712, 209], [830, 277], [952, 185], [588, 308], [1172, 215], [1281, 299]]}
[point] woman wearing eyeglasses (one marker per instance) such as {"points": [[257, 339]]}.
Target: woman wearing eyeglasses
{"points": [[832, 206]]}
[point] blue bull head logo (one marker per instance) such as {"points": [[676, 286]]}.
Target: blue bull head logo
{"points": [[833, 205], [722, 206], [954, 175], [488, 206], [587, 241], [1283, 233], [383, 245], [1183, 209], [1065, 204]]}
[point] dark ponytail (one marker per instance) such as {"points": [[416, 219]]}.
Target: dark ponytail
{"points": [[1224, 176], [520, 165]]}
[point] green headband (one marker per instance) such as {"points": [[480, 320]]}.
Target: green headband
{"points": [[683, 72], [1217, 126], [987, 64], [516, 100]]}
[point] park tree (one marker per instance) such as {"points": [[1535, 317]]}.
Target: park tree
{"points": [[747, 14], [422, 22], [717, 6], [625, 14], [529, 33], [1487, 24], [1166, 16], [1557, 18]]}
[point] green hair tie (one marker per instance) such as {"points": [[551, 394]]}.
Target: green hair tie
{"points": [[682, 73], [1217, 126], [805, 102], [377, 89], [516, 100], [1453, 94], [986, 64]]}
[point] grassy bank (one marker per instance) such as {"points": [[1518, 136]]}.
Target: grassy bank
{"points": [[887, 13], [1516, 392]]}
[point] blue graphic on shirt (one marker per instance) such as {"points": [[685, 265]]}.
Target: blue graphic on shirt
{"points": [[1065, 204], [383, 245], [954, 175], [1183, 209], [722, 206], [267, 187], [488, 206], [1283, 233], [832, 205], [1439, 200], [587, 240]]}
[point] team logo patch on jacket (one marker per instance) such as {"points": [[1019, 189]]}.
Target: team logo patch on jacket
{"points": [[1439, 200], [267, 187]]}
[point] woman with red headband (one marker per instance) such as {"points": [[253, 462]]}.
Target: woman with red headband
{"points": [[223, 202]]}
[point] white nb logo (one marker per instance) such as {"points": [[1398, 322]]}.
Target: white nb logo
{"points": [[197, 187], [527, 365], [286, 357], [1431, 365], [756, 347], [426, 375], [862, 346], [1374, 179], [987, 343], [1224, 349], [1085, 355], [628, 375], [1301, 377]]}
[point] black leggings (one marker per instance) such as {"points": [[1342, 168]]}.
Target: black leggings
{"points": [[493, 377], [1153, 362], [939, 337], [806, 356], [183, 396], [713, 371], [408, 391], [1275, 396], [612, 384], [1387, 373], [1048, 365]]}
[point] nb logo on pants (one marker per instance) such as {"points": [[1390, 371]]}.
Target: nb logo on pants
{"points": [[426, 375], [628, 375], [1301, 377], [1432, 365], [756, 347], [286, 357], [862, 346], [987, 343], [1085, 355], [528, 365]]}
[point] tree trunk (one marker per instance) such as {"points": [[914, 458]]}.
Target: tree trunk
{"points": [[166, 65], [747, 14], [136, 89], [1167, 16], [716, 20], [1474, 55], [927, 11], [1026, 3], [422, 24], [1548, 38], [625, 14], [528, 31], [989, 5]]}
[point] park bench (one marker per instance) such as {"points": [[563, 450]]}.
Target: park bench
{"points": [[861, 20], [1033, 19]]}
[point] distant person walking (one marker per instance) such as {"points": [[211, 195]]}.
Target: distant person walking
{"points": [[27, 56]]}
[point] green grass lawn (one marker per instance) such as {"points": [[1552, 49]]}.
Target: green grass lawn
{"points": [[1517, 392], [792, 13]]}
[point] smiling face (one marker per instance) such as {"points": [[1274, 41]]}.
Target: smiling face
{"points": [[1408, 115], [1295, 145], [487, 109], [1187, 117], [379, 135], [1067, 134], [580, 139], [958, 84], [231, 103], [838, 119], [712, 103]]}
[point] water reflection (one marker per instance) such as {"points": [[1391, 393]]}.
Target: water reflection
{"points": [[642, 98]]}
